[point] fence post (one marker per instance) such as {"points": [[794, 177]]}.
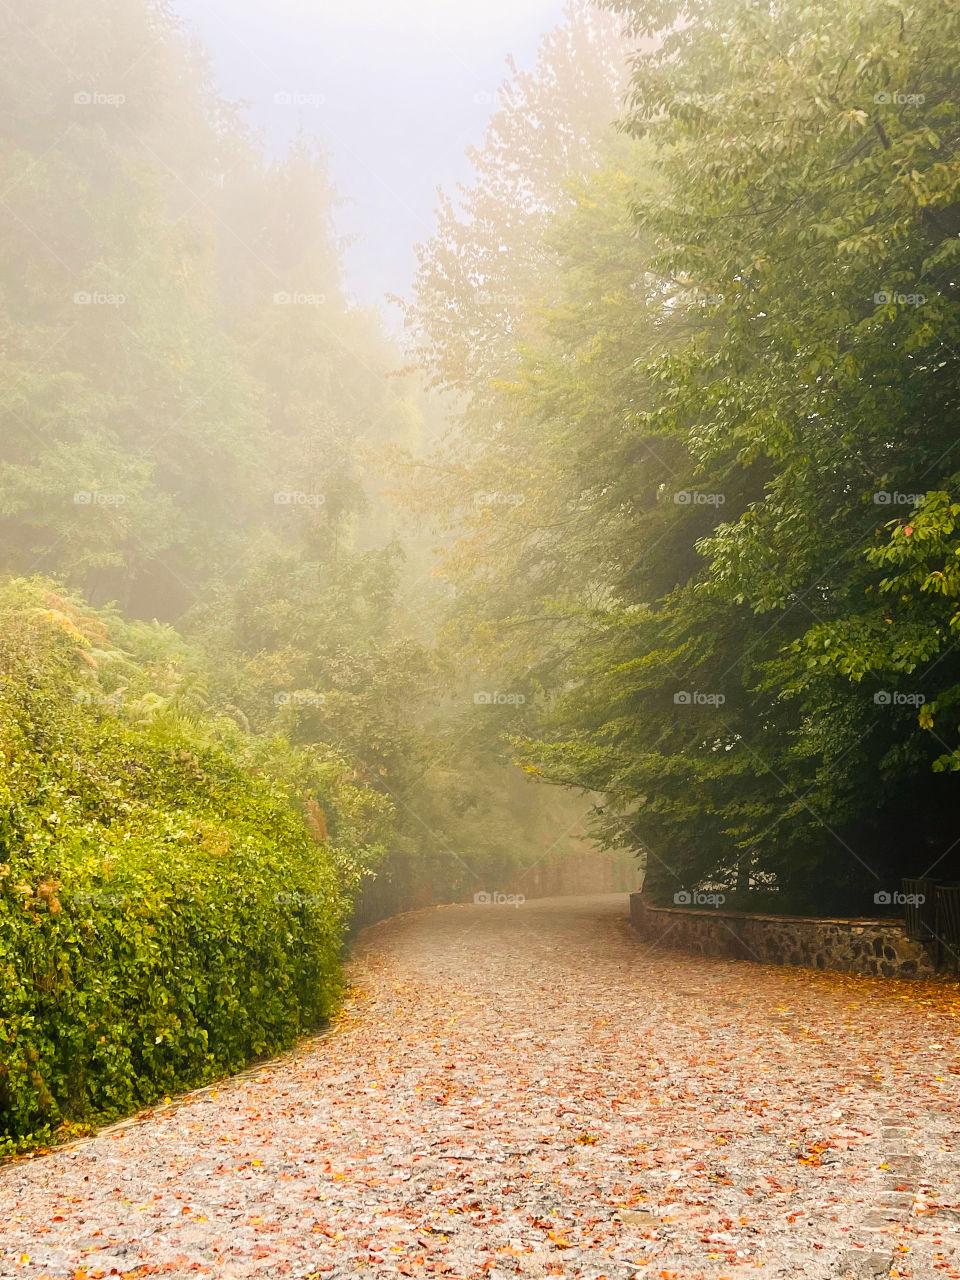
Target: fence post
{"points": [[948, 926]]}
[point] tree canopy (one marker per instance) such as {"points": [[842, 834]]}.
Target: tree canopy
{"points": [[730, 433]]}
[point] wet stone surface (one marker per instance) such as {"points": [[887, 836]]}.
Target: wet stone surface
{"points": [[535, 1092]]}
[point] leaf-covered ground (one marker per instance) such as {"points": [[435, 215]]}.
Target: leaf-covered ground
{"points": [[531, 1091]]}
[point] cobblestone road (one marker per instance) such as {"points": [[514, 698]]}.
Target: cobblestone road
{"points": [[529, 1092]]}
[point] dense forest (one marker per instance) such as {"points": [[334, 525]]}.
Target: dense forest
{"points": [[637, 556]]}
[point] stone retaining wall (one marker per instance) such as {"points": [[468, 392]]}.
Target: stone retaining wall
{"points": [[847, 945]]}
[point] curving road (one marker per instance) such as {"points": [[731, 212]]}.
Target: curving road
{"points": [[530, 1092]]}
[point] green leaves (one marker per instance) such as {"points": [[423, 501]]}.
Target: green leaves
{"points": [[736, 423], [165, 913]]}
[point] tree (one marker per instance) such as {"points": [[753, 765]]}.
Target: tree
{"points": [[707, 461]]}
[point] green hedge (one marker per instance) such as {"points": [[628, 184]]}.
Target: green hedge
{"points": [[165, 914]]}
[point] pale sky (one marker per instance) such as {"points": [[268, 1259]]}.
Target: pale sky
{"points": [[395, 89]]}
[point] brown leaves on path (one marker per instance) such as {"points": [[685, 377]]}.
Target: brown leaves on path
{"points": [[533, 1092]]}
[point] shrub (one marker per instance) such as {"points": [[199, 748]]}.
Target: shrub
{"points": [[166, 914]]}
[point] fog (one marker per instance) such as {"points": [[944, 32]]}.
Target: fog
{"points": [[395, 92], [461, 465]]}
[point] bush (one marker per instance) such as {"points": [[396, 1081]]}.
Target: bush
{"points": [[166, 914]]}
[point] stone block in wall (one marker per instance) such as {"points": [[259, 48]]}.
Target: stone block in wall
{"points": [[845, 945]]}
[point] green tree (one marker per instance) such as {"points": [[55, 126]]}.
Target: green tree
{"points": [[710, 422]]}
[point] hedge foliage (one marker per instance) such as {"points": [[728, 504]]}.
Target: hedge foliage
{"points": [[173, 891]]}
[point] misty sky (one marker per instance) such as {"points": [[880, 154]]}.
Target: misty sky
{"points": [[396, 89]]}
